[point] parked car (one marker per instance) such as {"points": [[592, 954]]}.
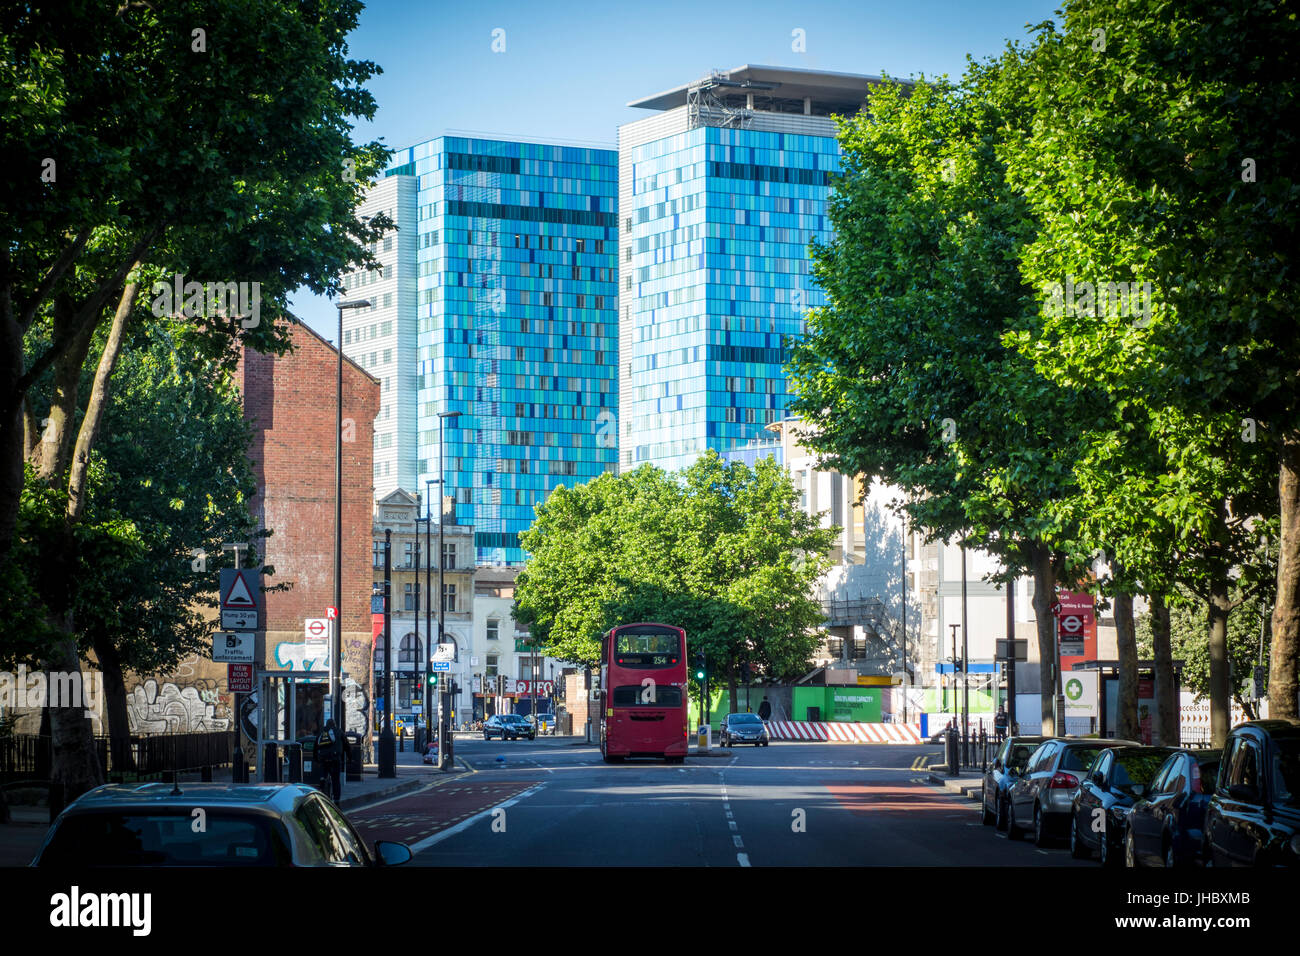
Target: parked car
{"points": [[1167, 826], [1254, 815], [743, 729], [431, 752], [1008, 763], [546, 723], [1044, 793], [508, 727], [287, 824], [1118, 779]]}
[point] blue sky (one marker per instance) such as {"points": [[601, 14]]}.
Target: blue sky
{"points": [[568, 69]]}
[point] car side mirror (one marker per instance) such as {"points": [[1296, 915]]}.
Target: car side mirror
{"points": [[392, 854], [1244, 791]]}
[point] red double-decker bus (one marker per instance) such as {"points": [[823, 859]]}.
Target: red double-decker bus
{"points": [[643, 696]]}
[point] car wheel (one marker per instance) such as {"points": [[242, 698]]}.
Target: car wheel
{"points": [[1078, 849], [766, 742], [1109, 856], [1040, 827], [1001, 820], [1013, 830], [986, 815]]}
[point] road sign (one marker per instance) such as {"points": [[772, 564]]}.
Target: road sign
{"points": [[332, 613], [1021, 649], [317, 629], [239, 678], [233, 648], [441, 665], [1071, 624], [240, 598]]}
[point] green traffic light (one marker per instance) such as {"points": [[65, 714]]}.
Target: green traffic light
{"points": [[699, 675]]}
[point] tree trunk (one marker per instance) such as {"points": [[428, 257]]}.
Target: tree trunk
{"points": [[98, 403], [1044, 598], [75, 764], [1283, 688], [53, 446], [119, 724], [1167, 726], [1127, 726], [1220, 693]]}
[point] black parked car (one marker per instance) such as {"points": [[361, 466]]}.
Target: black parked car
{"points": [[1044, 793], [1118, 779], [1166, 827], [1254, 815], [508, 727], [1008, 764], [743, 729]]}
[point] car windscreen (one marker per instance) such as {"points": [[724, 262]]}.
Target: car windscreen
{"points": [[647, 695], [166, 839], [1134, 770], [743, 719], [1080, 758], [1286, 771]]}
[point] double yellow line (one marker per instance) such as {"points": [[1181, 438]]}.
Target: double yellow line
{"points": [[920, 762]]}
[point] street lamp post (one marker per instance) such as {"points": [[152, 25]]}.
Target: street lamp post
{"points": [[387, 742], [336, 642], [445, 708], [428, 610]]}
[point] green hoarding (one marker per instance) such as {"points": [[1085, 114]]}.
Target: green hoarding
{"points": [[855, 704]]}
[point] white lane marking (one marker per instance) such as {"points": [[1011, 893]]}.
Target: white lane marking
{"points": [[735, 838], [466, 824], [731, 824], [742, 859]]}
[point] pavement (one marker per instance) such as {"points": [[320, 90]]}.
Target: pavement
{"points": [[966, 783]]}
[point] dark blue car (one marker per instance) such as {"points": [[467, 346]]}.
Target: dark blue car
{"points": [[1165, 827], [1106, 795]]}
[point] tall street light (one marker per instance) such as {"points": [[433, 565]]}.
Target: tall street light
{"points": [[336, 649], [445, 716], [428, 610]]}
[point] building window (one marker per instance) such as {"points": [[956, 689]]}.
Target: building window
{"points": [[408, 596], [405, 693], [491, 670], [409, 556], [493, 629], [449, 597], [378, 550], [449, 556], [409, 653]]}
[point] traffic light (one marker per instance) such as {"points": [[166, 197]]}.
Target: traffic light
{"points": [[699, 666], [433, 680]]}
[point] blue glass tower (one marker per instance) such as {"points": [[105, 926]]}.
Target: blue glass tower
{"points": [[515, 266], [721, 192]]}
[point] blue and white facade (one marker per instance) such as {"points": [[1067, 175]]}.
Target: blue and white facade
{"points": [[721, 192], [514, 266]]}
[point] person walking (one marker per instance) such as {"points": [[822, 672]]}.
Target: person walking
{"points": [[1000, 723], [765, 711], [331, 756]]}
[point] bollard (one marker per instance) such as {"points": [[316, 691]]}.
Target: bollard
{"points": [[295, 763], [354, 757], [271, 764], [951, 740]]}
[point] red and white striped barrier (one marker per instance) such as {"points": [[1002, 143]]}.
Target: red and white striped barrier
{"points": [[844, 732]]}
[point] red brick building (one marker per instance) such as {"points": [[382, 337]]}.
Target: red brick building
{"points": [[290, 402]]}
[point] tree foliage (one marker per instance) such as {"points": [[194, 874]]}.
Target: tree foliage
{"points": [[719, 549]]}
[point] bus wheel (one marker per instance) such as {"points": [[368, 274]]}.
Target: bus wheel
{"points": [[674, 759], [610, 758]]}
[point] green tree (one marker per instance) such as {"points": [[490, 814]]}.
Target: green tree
{"points": [[905, 371], [719, 549], [203, 138], [1187, 627], [1148, 126]]}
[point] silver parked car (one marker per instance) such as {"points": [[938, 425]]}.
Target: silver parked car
{"points": [[289, 824], [1042, 797]]}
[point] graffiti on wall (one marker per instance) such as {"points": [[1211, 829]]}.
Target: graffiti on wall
{"points": [[169, 708]]}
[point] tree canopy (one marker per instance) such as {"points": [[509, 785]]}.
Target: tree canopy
{"points": [[719, 549]]}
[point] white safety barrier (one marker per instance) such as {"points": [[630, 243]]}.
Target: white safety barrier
{"points": [[844, 731]]}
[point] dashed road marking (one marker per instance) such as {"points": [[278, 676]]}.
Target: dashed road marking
{"points": [[742, 859]]}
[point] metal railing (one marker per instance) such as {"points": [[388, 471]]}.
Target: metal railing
{"points": [[29, 756], [969, 749]]}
